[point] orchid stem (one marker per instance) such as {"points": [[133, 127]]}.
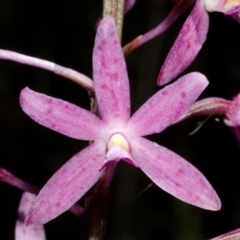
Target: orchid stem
{"points": [[115, 8]]}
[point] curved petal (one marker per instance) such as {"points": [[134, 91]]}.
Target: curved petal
{"points": [[236, 15], [178, 9], [233, 235], [110, 74], [207, 106], [116, 153], [187, 45], [174, 175], [61, 116], [233, 112], [167, 105], [128, 5], [68, 184], [22, 232]]}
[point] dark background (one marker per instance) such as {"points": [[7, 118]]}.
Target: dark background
{"points": [[63, 32]]}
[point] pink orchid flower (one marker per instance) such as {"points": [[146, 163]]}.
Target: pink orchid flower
{"points": [[115, 135], [192, 36], [228, 7], [22, 232], [230, 109]]}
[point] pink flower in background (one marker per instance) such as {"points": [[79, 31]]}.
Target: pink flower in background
{"points": [[230, 109], [192, 36], [232, 115], [228, 7], [22, 232], [115, 135]]}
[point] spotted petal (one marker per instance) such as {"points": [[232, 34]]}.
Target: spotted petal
{"points": [[187, 45], [174, 175], [22, 232], [68, 184], [61, 116], [110, 74], [167, 105]]}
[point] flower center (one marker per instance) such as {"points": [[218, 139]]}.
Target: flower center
{"points": [[118, 140]]}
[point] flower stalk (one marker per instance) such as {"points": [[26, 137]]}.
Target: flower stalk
{"points": [[115, 8], [68, 73]]}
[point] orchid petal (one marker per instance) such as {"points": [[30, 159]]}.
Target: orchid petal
{"points": [[174, 175], [233, 235], [206, 106], [187, 45], [167, 105], [128, 5], [164, 25], [68, 184], [110, 74], [232, 116], [236, 16], [61, 116], [22, 232]]}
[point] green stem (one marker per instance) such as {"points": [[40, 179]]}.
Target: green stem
{"points": [[115, 8]]}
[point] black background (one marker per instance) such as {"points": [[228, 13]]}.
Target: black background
{"points": [[63, 32]]}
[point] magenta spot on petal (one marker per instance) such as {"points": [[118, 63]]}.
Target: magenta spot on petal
{"points": [[103, 86], [103, 62], [111, 33], [180, 171], [188, 45], [114, 76], [49, 111], [49, 101], [53, 125], [115, 60], [183, 94], [202, 182], [177, 184], [165, 92], [100, 47]]}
